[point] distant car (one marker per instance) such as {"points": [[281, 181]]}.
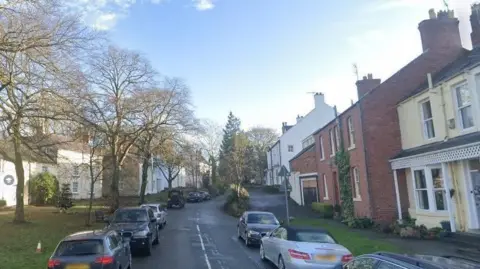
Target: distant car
{"points": [[303, 248], [252, 225], [194, 197], [388, 260], [160, 213], [99, 249], [137, 224], [175, 199], [205, 195]]}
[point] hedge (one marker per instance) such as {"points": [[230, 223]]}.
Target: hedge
{"points": [[3, 203], [325, 210]]}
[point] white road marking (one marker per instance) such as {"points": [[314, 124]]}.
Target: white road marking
{"points": [[203, 248]]}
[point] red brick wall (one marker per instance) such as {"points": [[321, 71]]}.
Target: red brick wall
{"points": [[305, 163], [381, 129], [357, 159]]}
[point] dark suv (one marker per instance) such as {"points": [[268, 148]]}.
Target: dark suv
{"points": [[387, 260], [137, 224]]}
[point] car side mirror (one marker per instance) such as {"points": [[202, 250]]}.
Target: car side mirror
{"points": [[282, 222]]}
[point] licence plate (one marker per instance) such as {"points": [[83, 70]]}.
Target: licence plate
{"points": [[77, 266], [330, 258]]}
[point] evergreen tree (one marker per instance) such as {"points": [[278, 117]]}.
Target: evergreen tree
{"points": [[65, 198], [231, 129]]}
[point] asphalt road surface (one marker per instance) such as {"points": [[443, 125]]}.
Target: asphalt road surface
{"points": [[201, 236]]}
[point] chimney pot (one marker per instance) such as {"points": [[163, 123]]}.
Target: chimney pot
{"points": [[364, 77], [440, 32], [370, 76]]}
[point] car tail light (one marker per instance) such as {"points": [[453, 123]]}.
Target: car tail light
{"points": [[104, 260], [347, 258], [298, 254], [52, 263]]}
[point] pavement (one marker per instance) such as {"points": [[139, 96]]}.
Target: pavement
{"points": [[201, 236]]}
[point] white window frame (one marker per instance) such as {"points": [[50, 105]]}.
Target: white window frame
{"points": [[458, 109], [288, 148], [72, 186], [356, 182], [325, 187], [322, 151], [432, 204], [44, 169], [333, 149], [76, 170], [351, 133], [425, 121]]}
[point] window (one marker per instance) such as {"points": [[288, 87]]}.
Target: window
{"points": [[290, 148], [332, 143], [421, 189], [464, 106], [351, 135], [44, 169], [308, 141], [76, 170], [325, 186], [75, 187], [322, 153], [337, 138], [438, 189], [427, 120], [356, 183]]}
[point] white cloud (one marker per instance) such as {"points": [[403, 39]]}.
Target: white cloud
{"points": [[203, 4]]}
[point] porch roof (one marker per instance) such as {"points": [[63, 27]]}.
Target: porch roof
{"points": [[458, 148]]}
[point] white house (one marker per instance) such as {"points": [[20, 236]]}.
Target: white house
{"points": [[296, 137]]}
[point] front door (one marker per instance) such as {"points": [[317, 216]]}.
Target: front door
{"points": [[309, 195], [474, 169]]}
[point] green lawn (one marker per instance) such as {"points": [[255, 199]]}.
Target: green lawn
{"points": [[19, 241], [357, 243]]}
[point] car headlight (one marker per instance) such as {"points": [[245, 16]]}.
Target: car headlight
{"points": [[253, 233], [141, 233]]}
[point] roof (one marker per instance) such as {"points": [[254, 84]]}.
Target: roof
{"points": [[441, 145], [93, 234], [309, 148], [467, 59], [293, 230]]}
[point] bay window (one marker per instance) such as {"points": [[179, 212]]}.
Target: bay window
{"points": [[429, 188]]}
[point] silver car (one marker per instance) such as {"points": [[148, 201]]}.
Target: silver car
{"points": [[101, 249], [303, 248], [160, 213]]}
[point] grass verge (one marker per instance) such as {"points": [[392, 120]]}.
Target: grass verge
{"points": [[19, 241], [357, 243]]}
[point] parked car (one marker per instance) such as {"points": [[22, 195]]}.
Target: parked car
{"points": [[194, 197], [175, 199], [303, 247], [160, 213], [387, 260], [252, 225], [100, 249], [205, 195], [138, 224]]}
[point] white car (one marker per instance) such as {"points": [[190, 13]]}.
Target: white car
{"points": [[303, 248], [160, 213]]}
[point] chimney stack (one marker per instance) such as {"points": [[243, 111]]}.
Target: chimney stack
{"points": [[475, 23], [366, 84], [319, 99], [440, 31]]}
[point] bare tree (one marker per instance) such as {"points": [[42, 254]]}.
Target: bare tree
{"points": [[117, 77], [210, 139], [39, 45], [172, 161], [260, 139], [193, 160]]}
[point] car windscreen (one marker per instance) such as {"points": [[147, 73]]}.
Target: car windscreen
{"points": [[314, 237], [259, 218], [79, 248], [193, 194], [154, 208], [133, 215]]}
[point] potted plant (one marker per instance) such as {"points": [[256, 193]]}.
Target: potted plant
{"points": [[447, 229]]}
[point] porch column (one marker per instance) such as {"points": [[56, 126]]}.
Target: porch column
{"points": [[447, 183], [397, 194]]}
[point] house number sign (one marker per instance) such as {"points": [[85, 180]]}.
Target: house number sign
{"points": [[8, 180]]}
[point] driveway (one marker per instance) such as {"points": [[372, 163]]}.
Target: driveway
{"points": [[201, 236]]}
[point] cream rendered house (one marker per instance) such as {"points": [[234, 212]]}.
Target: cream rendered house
{"points": [[440, 128]]}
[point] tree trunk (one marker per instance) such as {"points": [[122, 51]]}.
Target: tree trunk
{"points": [[144, 179], [90, 200], [115, 200], [19, 208]]}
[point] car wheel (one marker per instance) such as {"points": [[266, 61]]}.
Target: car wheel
{"points": [[156, 241], [281, 263], [148, 249], [238, 233], [247, 243], [262, 253]]}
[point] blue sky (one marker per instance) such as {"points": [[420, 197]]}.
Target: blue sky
{"points": [[260, 58]]}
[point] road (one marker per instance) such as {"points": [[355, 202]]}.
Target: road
{"points": [[201, 236]]}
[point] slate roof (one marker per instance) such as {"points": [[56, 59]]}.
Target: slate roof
{"points": [[309, 148], [441, 145], [468, 59]]}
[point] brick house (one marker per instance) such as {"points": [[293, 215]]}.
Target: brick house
{"points": [[305, 178], [370, 127]]}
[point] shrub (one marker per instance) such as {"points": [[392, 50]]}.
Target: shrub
{"points": [[237, 201], [271, 189], [65, 197], [361, 223], [43, 189], [325, 210], [3, 203]]}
